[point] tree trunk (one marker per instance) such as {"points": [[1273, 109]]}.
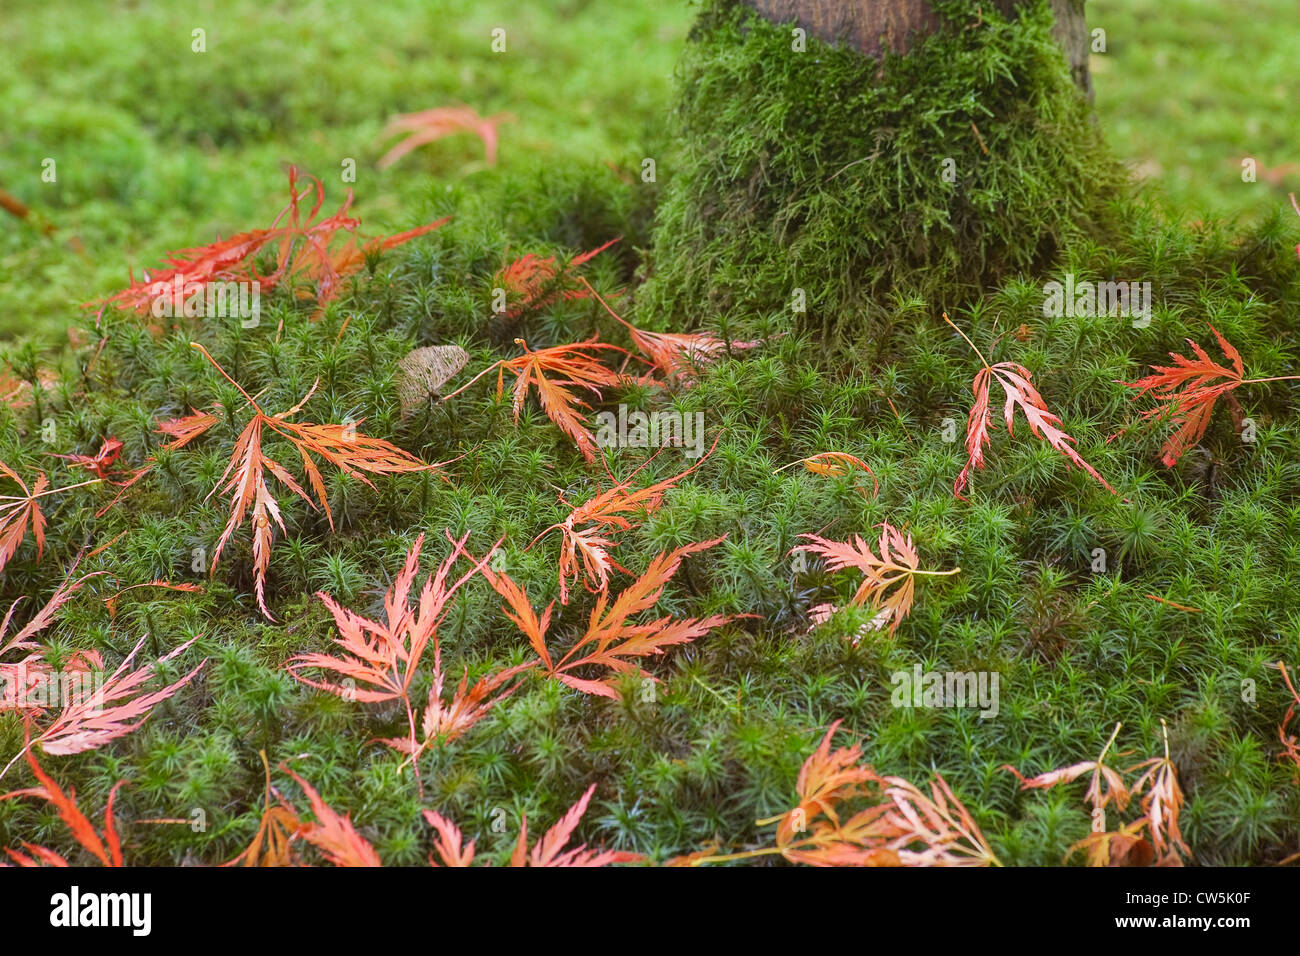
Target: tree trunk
{"points": [[872, 26], [830, 190]]}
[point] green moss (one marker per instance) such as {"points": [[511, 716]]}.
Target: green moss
{"points": [[866, 182], [739, 710]]}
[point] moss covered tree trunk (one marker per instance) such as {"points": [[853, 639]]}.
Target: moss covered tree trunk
{"points": [[847, 161], [871, 26]]}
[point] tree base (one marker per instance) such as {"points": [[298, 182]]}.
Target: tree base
{"points": [[843, 184]]}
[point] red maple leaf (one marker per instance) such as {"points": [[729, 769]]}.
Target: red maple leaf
{"points": [[1014, 380], [99, 463], [378, 660], [1187, 392], [304, 251]]}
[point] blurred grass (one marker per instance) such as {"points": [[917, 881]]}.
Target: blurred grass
{"points": [[159, 148], [1188, 88]]}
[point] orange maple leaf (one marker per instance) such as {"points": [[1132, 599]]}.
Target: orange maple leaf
{"points": [[449, 843], [554, 372], [302, 252], [678, 355], [244, 479], [532, 282], [610, 642], [18, 511], [332, 834], [585, 550], [380, 659], [895, 823], [550, 849], [1014, 380], [107, 848], [897, 564], [835, 464], [272, 844]]}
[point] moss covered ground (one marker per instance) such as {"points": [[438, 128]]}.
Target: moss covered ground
{"points": [[1078, 648]]}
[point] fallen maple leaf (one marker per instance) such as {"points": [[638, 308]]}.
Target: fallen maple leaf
{"points": [[332, 834], [896, 823], [1123, 847], [107, 848], [110, 602], [92, 710], [245, 481], [380, 659], [531, 282], [897, 564], [610, 641], [99, 463], [1187, 392], [834, 464], [555, 372], [17, 511], [678, 355], [585, 550], [1106, 785], [1290, 742], [272, 844], [550, 849], [303, 252], [1014, 380], [1162, 805], [1153, 837], [449, 843], [430, 125]]}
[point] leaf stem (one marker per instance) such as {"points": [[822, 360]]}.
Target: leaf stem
{"points": [[1260, 381], [248, 398], [968, 341]]}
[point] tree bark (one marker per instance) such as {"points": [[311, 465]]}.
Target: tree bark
{"points": [[873, 26]]}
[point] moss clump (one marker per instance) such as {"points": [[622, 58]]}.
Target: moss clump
{"points": [[853, 178]]}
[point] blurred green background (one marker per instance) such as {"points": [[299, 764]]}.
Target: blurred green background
{"points": [[158, 147]]}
